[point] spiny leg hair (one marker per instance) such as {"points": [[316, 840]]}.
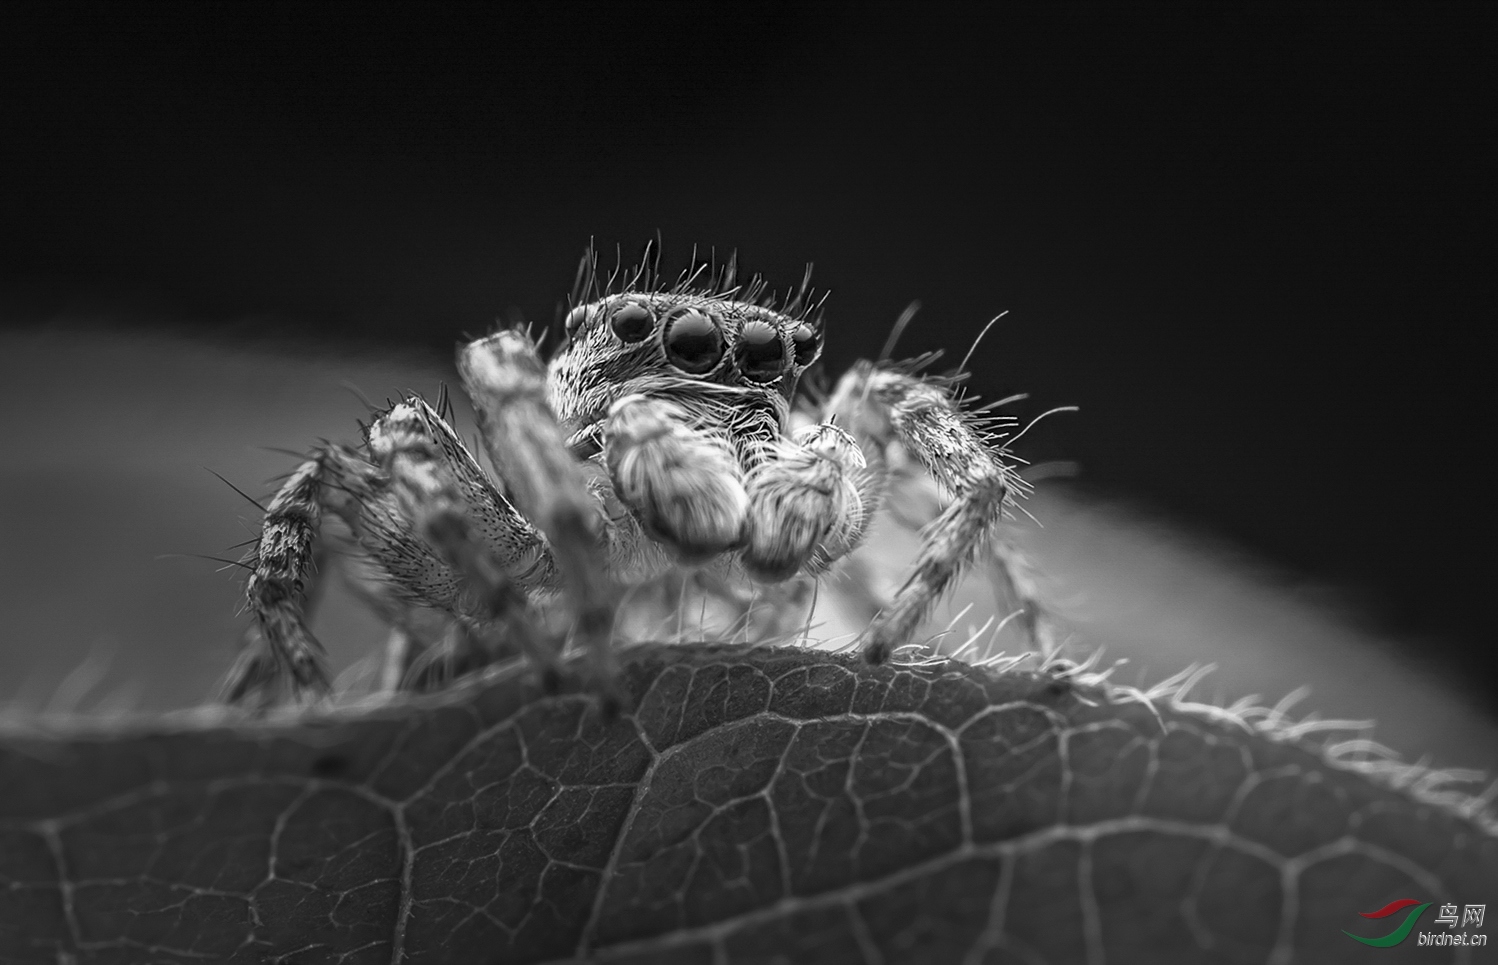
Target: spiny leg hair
{"points": [[884, 406]]}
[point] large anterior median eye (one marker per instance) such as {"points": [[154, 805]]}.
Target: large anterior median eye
{"points": [[808, 342], [693, 342], [632, 322], [761, 355]]}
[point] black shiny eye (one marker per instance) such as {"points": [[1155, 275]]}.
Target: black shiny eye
{"points": [[693, 342], [760, 352], [632, 322], [808, 342]]}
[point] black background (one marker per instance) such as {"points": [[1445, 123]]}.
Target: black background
{"points": [[1255, 243]]}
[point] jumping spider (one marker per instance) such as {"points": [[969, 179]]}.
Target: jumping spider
{"points": [[657, 437]]}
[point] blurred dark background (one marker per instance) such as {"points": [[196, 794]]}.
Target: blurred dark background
{"points": [[1255, 243]]}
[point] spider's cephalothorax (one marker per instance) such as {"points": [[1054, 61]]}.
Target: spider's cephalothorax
{"points": [[658, 437], [733, 362]]}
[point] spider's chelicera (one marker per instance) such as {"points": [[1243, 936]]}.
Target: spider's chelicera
{"points": [[658, 437]]}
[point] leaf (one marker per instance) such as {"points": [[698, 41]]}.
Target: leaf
{"points": [[759, 805]]}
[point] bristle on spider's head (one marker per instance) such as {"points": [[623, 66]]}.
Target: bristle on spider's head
{"points": [[705, 276]]}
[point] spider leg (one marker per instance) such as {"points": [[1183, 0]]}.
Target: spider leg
{"points": [[284, 649], [433, 544], [811, 500], [506, 379], [883, 407], [280, 653], [514, 542], [430, 497], [684, 485]]}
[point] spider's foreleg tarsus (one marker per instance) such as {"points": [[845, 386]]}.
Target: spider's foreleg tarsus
{"points": [[506, 379], [810, 504], [684, 485], [884, 407], [284, 649]]}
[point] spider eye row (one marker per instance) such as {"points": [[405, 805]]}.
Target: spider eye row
{"points": [[694, 342]]}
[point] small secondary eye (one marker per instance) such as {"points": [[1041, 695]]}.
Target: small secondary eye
{"points": [[632, 322], [808, 342], [761, 353], [693, 342], [575, 319]]}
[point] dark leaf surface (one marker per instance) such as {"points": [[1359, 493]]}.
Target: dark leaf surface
{"points": [[767, 805]]}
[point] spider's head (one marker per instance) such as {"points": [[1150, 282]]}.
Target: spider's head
{"points": [[725, 356]]}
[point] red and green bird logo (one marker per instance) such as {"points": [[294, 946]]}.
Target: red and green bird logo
{"points": [[1399, 934]]}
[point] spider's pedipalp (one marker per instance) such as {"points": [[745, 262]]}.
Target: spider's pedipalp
{"points": [[506, 380], [684, 485], [810, 503], [884, 406]]}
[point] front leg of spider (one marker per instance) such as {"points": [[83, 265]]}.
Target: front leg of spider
{"points": [[883, 407], [431, 498], [436, 551], [506, 379]]}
